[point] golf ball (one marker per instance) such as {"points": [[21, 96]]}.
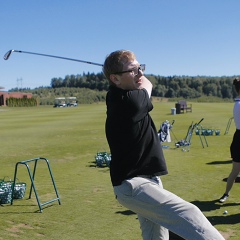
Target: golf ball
{"points": [[225, 212]]}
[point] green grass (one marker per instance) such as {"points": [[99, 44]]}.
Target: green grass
{"points": [[70, 137]]}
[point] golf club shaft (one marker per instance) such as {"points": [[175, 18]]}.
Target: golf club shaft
{"points": [[7, 55], [200, 121]]}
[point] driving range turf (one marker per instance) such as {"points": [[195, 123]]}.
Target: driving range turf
{"points": [[70, 138]]}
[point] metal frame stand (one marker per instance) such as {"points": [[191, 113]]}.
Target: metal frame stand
{"points": [[32, 176], [204, 136], [190, 133], [228, 125]]}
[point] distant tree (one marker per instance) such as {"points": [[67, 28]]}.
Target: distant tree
{"points": [[210, 89], [226, 91], [170, 93]]}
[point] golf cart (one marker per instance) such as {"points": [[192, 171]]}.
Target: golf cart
{"points": [[72, 102], [60, 102]]}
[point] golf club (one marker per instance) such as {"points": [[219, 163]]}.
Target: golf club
{"points": [[189, 136], [173, 121], [8, 54]]}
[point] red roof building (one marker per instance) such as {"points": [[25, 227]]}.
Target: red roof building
{"points": [[5, 95]]}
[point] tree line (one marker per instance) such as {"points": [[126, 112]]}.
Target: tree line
{"points": [[169, 87], [90, 80], [193, 87], [91, 87]]}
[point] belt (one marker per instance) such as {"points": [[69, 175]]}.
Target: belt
{"points": [[147, 176]]}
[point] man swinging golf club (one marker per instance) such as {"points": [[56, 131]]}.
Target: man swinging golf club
{"points": [[137, 157]]}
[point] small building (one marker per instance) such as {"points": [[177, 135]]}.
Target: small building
{"points": [[5, 95]]}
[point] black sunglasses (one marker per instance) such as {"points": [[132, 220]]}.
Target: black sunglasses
{"points": [[142, 67]]}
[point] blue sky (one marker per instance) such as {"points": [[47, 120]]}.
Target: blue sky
{"points": [[172, 37]]}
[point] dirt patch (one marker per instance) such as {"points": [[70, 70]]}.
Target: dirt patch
{"points": [[227, 235], [18, 228]]}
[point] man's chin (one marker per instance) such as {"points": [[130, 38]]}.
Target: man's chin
{"points": [[139, 85]]}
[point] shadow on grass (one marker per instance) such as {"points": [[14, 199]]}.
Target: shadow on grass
{"points": [[94, 165], [126, 212], [225, 219], [207, 206], [224, 162], [237, 180], [220, 162], [24, 205], [19, 212]]}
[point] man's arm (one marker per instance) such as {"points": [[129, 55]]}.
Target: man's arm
{"points": [[147, 85]]}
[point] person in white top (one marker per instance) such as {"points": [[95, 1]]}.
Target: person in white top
{"points": [[234, 148]]}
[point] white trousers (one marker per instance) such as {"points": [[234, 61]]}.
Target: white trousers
{"points": [[159, 210]]}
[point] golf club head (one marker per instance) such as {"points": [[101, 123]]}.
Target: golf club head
{"points": [[7, 55]]}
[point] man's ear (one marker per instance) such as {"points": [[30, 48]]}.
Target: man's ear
{"points": [[114, 79]]}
